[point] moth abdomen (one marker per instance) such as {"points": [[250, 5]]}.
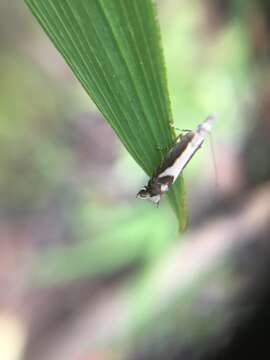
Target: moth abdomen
{"points": [[175, 161]]}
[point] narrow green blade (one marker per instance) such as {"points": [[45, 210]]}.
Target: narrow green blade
{"points": [[113, 48]]}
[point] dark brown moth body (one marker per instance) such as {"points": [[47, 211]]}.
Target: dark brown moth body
{"points": [[175, 161]]}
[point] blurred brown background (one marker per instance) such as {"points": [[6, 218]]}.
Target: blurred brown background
{"points": [[88, 272]]}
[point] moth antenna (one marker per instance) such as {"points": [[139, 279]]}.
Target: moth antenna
{"points": [[214, 160]]}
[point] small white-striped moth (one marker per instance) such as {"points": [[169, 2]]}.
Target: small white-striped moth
{"points": [[175, 161]]}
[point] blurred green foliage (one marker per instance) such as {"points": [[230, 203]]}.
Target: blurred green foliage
{"points": [[127, 240], [207, 72], [99, 227]]}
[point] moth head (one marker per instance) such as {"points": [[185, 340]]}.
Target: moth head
{"points": [[146, 195], [143, 194]]}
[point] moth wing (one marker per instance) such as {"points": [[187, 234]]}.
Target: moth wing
{"points": [[175, 153]]}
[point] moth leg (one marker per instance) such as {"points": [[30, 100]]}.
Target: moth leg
{"points": [[179, 137], [161, 148], [181, 130]]}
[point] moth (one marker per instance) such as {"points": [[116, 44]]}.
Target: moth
{"points": [[175, 161]]}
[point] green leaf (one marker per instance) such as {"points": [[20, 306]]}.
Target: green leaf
{"points": [[110, 252], [113, 48]]}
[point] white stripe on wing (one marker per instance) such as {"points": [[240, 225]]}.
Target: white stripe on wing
{"points": [[179, 164]]}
